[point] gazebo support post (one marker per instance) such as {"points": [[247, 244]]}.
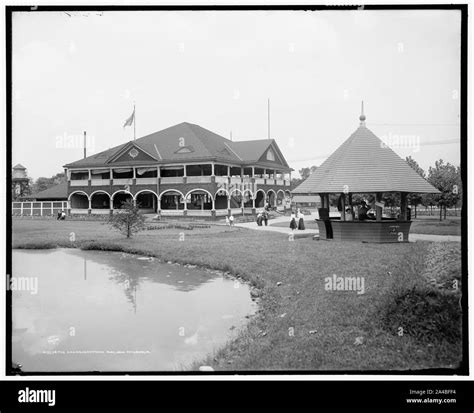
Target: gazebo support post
{"points": [[378, 210], [403, 206], [351, 206], [343, 205]]}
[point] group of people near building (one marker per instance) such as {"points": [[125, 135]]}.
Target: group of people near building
{"points": [[262, 217], [297, 220]]}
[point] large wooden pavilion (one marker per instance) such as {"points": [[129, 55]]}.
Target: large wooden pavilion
{"points": [[363, 164]]}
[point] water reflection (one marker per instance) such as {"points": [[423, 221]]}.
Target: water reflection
{"points": [[109, 311]]}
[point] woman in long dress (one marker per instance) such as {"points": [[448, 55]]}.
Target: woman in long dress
{"points": [[293, 221], [300, 217]]}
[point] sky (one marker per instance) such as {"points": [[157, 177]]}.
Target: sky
{"points": [[80, 71]]}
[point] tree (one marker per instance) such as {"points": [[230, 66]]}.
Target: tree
{"points": [[43, 183], [414, 198], [304, 173], [128, 219], [447, 179]]}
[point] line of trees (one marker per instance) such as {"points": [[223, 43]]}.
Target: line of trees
{"points": [[447, 179], [43, 183]]}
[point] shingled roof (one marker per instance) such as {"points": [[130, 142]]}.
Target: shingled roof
{"points": [[181, 143], [365, 164]]}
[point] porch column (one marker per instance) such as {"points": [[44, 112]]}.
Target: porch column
{"points": [[89, 171], [228, 202], [184, 173], [350, 204], [90, 204], [343, 204], [253, 171], [403, 206], [212, 169], [378, 210]]}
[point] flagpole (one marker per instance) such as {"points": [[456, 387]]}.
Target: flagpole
{"points": [[134, 122]]}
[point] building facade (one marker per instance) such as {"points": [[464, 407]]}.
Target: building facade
{"points": [[184, 170]]}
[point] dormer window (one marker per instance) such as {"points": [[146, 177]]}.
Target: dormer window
{"points": [[185, 149], [270, 155]]}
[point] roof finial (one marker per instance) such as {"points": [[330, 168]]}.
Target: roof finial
{"points": [[362, 116]]}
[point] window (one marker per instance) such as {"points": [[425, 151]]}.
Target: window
{"points": [[270, 155]]}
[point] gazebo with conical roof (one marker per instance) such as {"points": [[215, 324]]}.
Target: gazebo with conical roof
{"points": [[364, 164]]}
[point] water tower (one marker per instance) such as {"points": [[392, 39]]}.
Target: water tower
{"points": [[20, 182]]}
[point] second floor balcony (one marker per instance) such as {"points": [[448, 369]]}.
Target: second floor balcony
{"points": [[179, 174]]}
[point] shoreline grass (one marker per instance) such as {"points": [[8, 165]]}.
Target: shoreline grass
{"points": [[299, 325]]}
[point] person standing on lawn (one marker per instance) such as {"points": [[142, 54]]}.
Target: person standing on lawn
{"points": [[292, 221], [300, 218]]}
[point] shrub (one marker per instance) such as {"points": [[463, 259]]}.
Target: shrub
{"points": [[128, 220]]}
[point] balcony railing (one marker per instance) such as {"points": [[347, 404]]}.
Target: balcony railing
{"points": [[222, 179], [198, 179], [79, 182], [179, 180], [172, 180], [100, 182], [123, 181], [146, 181]]}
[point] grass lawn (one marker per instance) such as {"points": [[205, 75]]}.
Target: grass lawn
{"points": [[420, 225], [300, 325], [432, 225]]}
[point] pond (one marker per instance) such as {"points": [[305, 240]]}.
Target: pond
{"points": [[77, 310]]}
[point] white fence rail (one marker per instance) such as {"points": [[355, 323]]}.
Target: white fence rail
{"points": [[38, 208]]}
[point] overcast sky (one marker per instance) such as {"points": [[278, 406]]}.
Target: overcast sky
{"points": [[83, 71]]}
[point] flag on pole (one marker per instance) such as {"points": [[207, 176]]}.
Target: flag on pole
{"points": [[131, 119]]}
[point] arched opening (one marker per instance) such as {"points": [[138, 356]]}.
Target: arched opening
{"points": [[198, 199], [271, 197], [280, 199], [248, 199], [259, 199], [79, 200], [120, 198], [220, 201], [236, 199], [147, 201], [100, 200], [171, 200]]}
